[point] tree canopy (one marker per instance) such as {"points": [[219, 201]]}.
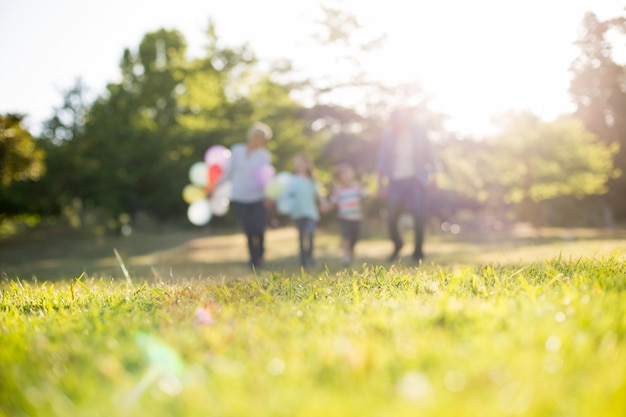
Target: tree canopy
{"points": [[130, 149], [598, 91], [20, 158], [21, 164]]}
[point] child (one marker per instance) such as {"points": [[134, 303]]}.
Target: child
{"points": [[304, 196], [346, 195]]}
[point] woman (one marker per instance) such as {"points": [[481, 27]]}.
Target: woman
{"points": [[247, 195]]}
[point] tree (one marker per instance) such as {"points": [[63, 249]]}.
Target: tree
{"points": [[597, 89], [134, 146], [526, 166], [532, 161], [127, 146], [20, 157], [68, 120], [21, 162], [60, 135], [131, 148]]}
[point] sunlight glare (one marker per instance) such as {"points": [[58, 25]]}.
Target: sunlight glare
{"points": [[477, 59]]}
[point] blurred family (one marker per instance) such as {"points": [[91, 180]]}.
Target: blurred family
{"points": [[406, 162]]}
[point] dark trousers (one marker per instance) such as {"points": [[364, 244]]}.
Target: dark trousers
{"points": [[407, 196], [306, 233], [253, 220], [350, 231]]}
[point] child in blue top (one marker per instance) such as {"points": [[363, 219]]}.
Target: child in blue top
{"points": [[303, 193]]}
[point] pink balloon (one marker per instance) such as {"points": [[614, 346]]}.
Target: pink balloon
{"points": [[263, 175], [217, 155]]}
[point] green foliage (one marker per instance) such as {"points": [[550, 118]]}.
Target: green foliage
{"points": [[138, 141], [542, 339], [528, 162], [20, 157], [132, 150], [273, 105], [597, 89], [22, 163], [548, 160]]}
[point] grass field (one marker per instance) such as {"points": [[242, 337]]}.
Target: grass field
{"points": [[214, 254], [530, 323]]}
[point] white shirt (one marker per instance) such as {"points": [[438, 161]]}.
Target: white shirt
{"points": [[241, 171], [404, 160]]}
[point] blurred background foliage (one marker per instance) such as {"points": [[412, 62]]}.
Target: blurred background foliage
{"points": [[123, 158]]}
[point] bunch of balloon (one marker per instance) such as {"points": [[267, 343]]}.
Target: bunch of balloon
{"points": [[216, 158], [277, 189], [204, 177]]}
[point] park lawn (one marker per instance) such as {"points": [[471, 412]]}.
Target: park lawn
{"points": [[498, 336], [221, 254]]}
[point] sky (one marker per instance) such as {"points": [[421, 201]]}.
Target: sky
{"points": [[475, 58]]}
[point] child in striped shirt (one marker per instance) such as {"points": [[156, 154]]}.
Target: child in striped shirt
{"points": [[347, 195]]}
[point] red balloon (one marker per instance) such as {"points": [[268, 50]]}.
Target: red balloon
{"points": [[215, 172]]}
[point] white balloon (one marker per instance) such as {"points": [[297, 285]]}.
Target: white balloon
{"points": [[284, 205], [220, 199], [199, 212], [284, 177], [198, 174], [220, 207]]}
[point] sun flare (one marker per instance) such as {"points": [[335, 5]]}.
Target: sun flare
{"points": [[476, 60]]}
